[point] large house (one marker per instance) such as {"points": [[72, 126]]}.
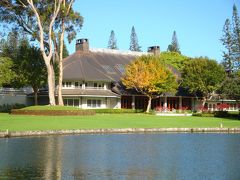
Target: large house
{"points": [[92, 79]]}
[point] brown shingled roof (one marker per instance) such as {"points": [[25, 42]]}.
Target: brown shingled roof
{"points": [[89, 66]]}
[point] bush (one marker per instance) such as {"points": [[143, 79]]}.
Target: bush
{"points": [[117, 111], [221, 114], [79, 112], [203, 114], [6, 108], [52, 108], [227, 114]]}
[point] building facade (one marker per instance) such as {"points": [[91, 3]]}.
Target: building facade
{"points": [[92, 79]]}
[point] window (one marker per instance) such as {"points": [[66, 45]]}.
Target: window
{"points": [[71, 102], [76, 102], [93, 103], [94, 85], [98, 103], [89, 103], [78, 85], [65, 102], [66, 84]]}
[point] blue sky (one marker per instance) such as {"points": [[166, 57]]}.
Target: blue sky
{"points": [[198, 24]]}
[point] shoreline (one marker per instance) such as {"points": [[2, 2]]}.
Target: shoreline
{"points": [[9, 134]]}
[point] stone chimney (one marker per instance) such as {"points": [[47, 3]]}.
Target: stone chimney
{"points": [[82, 45], [154, 49]]}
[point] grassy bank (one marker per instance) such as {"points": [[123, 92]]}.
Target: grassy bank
{"points": [[23, 123]]}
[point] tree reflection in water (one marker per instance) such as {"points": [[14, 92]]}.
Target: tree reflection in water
{"points": [[121, 156]]}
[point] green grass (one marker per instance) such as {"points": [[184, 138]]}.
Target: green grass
{"points": [[23, 123]]}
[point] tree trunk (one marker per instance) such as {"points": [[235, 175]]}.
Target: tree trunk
{"points": [[60, 77], [149, 104], [203, 103], [51, 85], [35, 91], [60, 99]]}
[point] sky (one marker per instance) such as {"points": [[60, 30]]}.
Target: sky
{"points": [[198, 24]]}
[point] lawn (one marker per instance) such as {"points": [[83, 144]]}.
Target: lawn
{"points": [[23, 123]]}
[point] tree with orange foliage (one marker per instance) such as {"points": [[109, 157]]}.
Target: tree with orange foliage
{"points": [[149, 76]]}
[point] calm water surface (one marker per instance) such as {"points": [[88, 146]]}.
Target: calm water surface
{"points": [[122, 156]]}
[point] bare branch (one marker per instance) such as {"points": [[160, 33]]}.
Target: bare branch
{"points": [[41, 36], [22, 4], [69, 7], [51, 25]]}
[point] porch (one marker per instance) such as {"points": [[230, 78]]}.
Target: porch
{"points": [[162, 103]]}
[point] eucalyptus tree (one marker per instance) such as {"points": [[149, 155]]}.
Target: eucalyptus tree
{"points": [[44, 21], [68, 22], [37, 18]]}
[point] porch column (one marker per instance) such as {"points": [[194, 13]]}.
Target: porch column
{"points": [[133, 102], [83, 86], [119, 103], [165, 103], [180, 103]]}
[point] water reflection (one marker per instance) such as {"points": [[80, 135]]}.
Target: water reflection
{"points": [[126, 156]]}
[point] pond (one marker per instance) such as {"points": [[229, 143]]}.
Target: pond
{"points": [[122, 156]]}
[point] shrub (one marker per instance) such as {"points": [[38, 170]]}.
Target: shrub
{"points": [[8, 107], [79, 112], [227, 114], [221, 114], [203, 114]]}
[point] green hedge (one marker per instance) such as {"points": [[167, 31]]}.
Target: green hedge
{"points": [[117, 111], [52, 108], [79, 112], [221, 114], [203, 114], [227, 114], [6, 108]]}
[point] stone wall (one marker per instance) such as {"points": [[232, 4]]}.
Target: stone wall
{"points": [[6, 134]]}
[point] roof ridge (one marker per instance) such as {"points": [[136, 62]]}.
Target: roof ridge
{"points": [[119, 52]]}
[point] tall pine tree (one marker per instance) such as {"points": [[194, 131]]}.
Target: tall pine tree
{"points": [[174, 46], [112, 43], [227, 41], [134, 46], [236, 36]]}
